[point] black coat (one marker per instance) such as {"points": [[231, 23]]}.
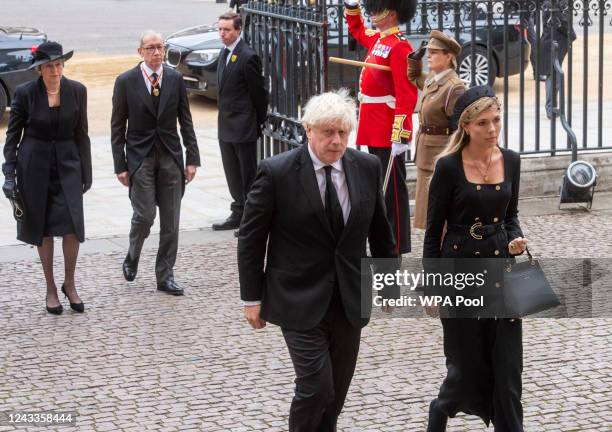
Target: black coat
{"points": [[135, 127], [455, 201], [284, 223], [560, 30], [242, 96], [483, 356], [27, 152]]}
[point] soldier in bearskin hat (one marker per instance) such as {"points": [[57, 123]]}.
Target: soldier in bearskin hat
{"points": [[387, 99]]}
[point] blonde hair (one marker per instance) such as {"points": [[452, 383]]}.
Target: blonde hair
{"points": [[460, 138], [331, 107]]}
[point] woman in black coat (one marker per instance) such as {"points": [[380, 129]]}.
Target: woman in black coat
{"points": [[474, 194], [48, 160]]}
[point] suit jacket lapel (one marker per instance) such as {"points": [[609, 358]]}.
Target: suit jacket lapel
{"points": [[166, 84], [231, 65], [141, 89], [308, 180], [351, 173], [67, 101]]}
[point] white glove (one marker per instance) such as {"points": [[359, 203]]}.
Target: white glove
{"points": [[398, 148], [351, 2]]}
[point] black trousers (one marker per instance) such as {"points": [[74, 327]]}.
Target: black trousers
{"points": [[396, 197], [240, 166], [484, 361], [324, 360], [157, 182]]}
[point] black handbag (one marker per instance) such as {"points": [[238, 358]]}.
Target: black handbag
{"points": [[526, 290]]}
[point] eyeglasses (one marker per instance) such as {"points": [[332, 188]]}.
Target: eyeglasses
{"points": [[152, 49]]}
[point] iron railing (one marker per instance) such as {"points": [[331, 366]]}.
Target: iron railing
{"points": [[500, 39]]}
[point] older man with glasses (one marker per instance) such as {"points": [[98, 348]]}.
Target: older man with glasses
{"points": [[147, 102]]}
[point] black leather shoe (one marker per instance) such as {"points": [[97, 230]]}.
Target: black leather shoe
{"points": [[77, 307], [130, 269], [232, 222], [56, 310], [437, 419], [170, 287]]}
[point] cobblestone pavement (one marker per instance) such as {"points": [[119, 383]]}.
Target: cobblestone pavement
{"points": [[141, 360]]}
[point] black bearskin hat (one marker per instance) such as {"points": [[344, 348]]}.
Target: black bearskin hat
{"points": [[405, 8]]}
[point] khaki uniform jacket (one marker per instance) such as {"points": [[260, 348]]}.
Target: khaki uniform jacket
{"points": [[435, 107]]}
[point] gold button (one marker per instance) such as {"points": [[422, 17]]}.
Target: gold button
{"points": [[477, 253], [478, 187], [498, 187], [455, 247], [497, 285], [495, 219], [476, 219], [496, 252]]}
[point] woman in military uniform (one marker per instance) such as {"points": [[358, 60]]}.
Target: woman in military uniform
{"points": [[441, 88], [474, 192]]}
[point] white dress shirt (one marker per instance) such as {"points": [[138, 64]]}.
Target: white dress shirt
{"points": [[231, 49], [144, 68], [338, 179]]}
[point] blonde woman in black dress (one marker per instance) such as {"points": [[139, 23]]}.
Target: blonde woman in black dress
{"points": [[475, 189], [48, 159]]}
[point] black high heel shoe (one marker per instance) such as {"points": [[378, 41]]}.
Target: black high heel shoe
{"points": [[56, 310], [77, 307]]}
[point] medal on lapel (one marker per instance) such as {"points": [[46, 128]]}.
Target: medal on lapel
{"points": [[154, 84]]}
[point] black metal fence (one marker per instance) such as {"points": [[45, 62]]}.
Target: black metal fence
{"points": [[506, 43]]}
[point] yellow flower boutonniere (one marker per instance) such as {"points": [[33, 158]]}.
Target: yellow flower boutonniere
{"points": [[234, 58]]}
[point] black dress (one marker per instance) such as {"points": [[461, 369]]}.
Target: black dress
{"points": [[483, 356], [58, 221]]}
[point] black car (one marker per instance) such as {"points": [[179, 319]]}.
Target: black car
{"points": [[194, 51], [17, 45]]}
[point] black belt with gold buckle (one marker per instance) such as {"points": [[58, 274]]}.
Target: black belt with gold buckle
{"points": [[478, 231]]}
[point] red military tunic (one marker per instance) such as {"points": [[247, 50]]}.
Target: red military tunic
{"points": [[387, 98]]}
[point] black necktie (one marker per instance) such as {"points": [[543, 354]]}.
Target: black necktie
{"points": [[154, 90], [223, 62], [332, 205]]}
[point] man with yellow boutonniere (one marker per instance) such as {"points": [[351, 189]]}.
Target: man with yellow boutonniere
{"points": [[243, 106], [148, 100]]}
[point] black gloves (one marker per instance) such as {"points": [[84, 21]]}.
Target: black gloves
{"points": [[419, 53], [9, 185]]}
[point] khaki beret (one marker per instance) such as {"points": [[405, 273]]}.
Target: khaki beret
{"points": [[438, 40]]}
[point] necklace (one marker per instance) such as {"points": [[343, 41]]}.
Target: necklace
{"points": [[485, 176], [53, 92]]}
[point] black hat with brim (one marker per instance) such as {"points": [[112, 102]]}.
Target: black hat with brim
{"points": [[47, 52]]}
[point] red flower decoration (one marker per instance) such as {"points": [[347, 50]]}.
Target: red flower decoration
{"points": [[34, 48]]}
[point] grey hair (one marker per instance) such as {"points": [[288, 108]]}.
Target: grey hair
{"points": [[331, 107], [145, 34]]}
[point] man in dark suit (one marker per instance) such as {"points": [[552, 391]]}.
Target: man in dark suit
{"points": [[243, 103], [147, 153], [308, 215], [559, 28]]}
